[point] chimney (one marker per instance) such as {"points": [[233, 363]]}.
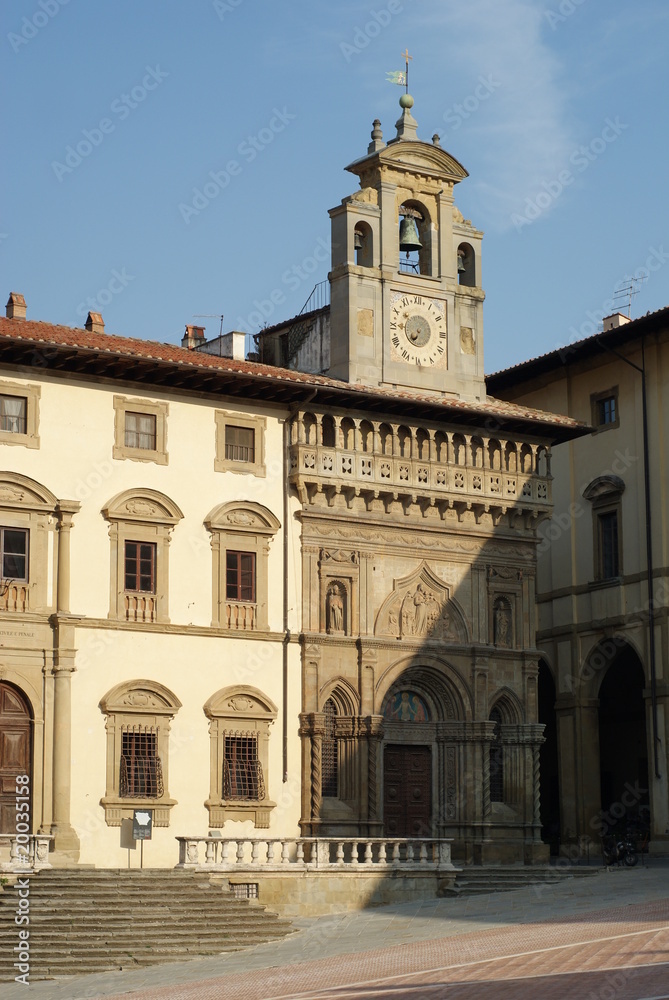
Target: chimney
{"points": [[613, 322], [193, 337], [16, 306], [233, 345], [94, 323]]}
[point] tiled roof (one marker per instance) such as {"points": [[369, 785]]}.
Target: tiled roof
{"points": [[103, 345]]}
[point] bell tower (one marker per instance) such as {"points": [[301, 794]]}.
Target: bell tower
{"points": [[406, 297]]}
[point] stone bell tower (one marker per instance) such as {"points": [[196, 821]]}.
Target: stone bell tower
{"points": [[406, 297]]}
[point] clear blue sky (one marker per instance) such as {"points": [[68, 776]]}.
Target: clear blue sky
{"points": [[557, 108]]}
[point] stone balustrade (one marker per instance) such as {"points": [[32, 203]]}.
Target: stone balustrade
{"points": [[393, 459], [24, 852], [309, 853]]}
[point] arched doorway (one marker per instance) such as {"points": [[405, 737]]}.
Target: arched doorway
{"points": [[623, 745], [15, 751], [407, 766], [548, 761]]}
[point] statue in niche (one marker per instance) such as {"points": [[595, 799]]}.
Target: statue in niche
{"points": [[335, 609], [502, 623]]}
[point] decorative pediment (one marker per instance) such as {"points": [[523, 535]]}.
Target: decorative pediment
{"points": [[20, 491], [424, 157], [143, 697], [242, 702], [604, 488], [142, 505], [242, 515], [421, 607]]}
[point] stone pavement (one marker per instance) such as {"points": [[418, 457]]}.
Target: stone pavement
{"points": [[603, 937]]}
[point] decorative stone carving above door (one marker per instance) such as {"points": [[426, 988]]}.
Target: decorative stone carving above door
{"points": [[421, 607]]}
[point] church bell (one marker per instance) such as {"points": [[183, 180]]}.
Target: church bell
{"points": [[357, 240], [409, 235]]}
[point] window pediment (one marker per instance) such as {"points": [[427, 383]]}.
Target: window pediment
{"points": [[243, 516], [144, 505], [141, 697], [240, 702], [604, 488], [21, 491]]}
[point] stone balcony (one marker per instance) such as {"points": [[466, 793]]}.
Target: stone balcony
{"points": [[385, 464]]}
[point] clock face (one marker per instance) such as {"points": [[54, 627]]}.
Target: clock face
{"points": [[417, 330]]}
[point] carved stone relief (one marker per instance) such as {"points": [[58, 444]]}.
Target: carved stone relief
{"points": [[420, 607]]}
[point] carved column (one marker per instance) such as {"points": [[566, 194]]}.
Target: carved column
{"points": [[374, 738], [64, 511], [66, 841]]}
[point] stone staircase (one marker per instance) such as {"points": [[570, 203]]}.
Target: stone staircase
{"points": [[96, 920], [478, 880]]}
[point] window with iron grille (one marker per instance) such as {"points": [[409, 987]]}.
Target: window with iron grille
{"points": [[140, 567], [239, 444], [609, 550], [242, 771], [244, 890], [496, 759], [140, 430], [14, 554], [13, 414], [141, 775], [329, 753], [240, 576]]}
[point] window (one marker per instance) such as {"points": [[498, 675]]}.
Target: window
{"points": [[140, 430], [19, 414], [14, 554], [13, 410], [605, 495], [239, 725], [604, 407], [240, 576], [607, 527], [142, 522], [242, 771], [141, 774], [242, 532], [140, 567], [330, 753], [138, 716], [240, 443]]}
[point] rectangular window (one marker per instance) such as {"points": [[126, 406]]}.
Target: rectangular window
{"points": [[242, 771], [13, 414], [239, 444], [607, 525], [140, 567], [140, 430], [14, 554], [141, 774], [240, 576], [606, 410]]}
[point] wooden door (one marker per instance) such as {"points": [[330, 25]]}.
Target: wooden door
{"points": [[407, 787], [15, 751]]}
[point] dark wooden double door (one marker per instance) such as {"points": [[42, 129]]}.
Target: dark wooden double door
{"points": [[407, 791], [15, 751]]}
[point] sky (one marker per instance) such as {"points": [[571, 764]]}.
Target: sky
{"points": [[168, 160]]}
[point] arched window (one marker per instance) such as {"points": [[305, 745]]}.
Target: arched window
{"points": [[466, 265], [363, 245], [496, 759], [330, 753], [415, 238]]}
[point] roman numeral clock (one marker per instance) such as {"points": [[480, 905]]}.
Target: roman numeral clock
{"points": [[418, 330]]}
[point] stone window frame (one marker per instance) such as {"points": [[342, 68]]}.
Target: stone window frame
{"points": [[241, 526], [137, 703], [605, 496], [32, 395], [258, 425], [232, 711], [140, 515], [595, 399], [160, 410]]}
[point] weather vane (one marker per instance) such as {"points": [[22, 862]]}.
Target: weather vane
{"points": [[399, 77]]}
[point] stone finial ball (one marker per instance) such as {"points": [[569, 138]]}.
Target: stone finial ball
{"points": [[406, 101]]}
